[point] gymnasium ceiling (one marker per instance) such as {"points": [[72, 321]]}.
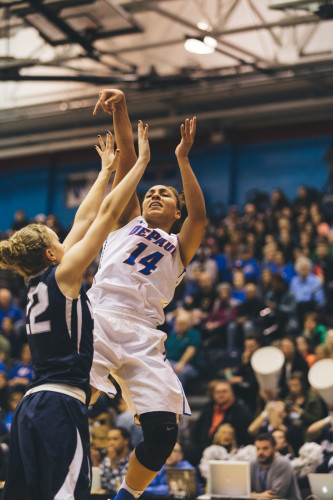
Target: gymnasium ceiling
{"points": [[269, 66]]}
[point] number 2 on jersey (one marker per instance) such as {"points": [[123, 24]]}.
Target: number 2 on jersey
{"points": [[148, 262], [38, 303]]}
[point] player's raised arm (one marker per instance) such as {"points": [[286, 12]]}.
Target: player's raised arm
{"points": [[90, 206], [76, 260], [113, 101], [193, 228]]}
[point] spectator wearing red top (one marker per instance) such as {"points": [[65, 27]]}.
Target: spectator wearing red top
{"points": [[223, 408]]}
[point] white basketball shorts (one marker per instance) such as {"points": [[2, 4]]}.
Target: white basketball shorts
{"points": [[132, 350]]}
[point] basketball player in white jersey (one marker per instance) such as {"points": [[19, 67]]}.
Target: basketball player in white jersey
{"points": [[141, 264]]}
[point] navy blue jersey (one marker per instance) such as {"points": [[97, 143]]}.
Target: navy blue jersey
{"points": [[60, 333]]}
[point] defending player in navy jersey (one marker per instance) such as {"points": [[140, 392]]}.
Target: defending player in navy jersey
{"points": [[143, 260], [49, 444]]}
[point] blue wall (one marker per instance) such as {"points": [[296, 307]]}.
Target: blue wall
{"points": [[226, 173]]}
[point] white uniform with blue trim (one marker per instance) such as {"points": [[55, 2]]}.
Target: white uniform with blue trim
{"points": [[138, 273]]}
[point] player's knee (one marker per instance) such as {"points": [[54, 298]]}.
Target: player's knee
{"points": [[160, 432]]}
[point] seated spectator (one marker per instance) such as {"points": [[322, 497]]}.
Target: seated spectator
{"points": [[269, 261], [304, 408], [304, 347], [272, 475], [265, 283], [5, 358], [159, 485], [281, 316], [217, 326], [53, 223], [273, 416], [183, 348], [12, 336], [22, 372], [14, 400], [294, 362], [242, 378], [322, 351], [238, 285], [115, 465], [4, 394], [20, 220], [313, 330], [324, 261], [248, 314], [95, 455], [285, 269], [125, 419], [249, 264], [201, 302], [7, 308], [224, 264], [99, 424], [224, 447], [329, 340], [286, 244], [204, 263], [222, 408], [307, 288], [282, 445], [322, 432]]}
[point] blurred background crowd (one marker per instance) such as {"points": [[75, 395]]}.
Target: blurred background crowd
{"points": [[262, 277]]}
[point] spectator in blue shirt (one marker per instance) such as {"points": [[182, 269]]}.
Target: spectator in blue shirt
{"points": [[7, 308], [285, 269], [307, 288], [22, 372], [159, 485], [249, 265]]}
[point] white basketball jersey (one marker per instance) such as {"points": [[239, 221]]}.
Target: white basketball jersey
{"points": [[138, 271]]}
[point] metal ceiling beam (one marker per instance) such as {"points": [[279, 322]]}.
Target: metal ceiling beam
{"points": [[73, 36], [200, 32], [285, 22], [263, 21]]}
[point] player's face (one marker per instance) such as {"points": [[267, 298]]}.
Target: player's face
{"points": [[56, 247], [160, 206]]}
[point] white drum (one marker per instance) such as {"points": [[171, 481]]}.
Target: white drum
{"points": [[321, 379], [267, 363]]}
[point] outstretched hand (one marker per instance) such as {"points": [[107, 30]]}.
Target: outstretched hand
{"points": [[187, 133], [107, 98], [109, 158], [143, 142]]}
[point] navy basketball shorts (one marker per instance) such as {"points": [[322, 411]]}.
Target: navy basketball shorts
{"points": [[49, 449]]}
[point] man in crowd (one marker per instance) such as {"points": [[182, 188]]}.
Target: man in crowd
{"points": [[272, 475], [115, 464]]}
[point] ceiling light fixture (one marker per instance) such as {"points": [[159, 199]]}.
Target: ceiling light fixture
{"points": [[202, 25], [198, 46], [210, 41]]}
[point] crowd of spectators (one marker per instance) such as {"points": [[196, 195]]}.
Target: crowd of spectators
{"points": [[262, 276]]}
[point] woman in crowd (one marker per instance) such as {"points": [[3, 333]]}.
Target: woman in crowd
{"points": [[223, 448], [304, 408]]}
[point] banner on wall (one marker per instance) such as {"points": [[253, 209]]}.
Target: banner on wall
{"points": [[78, 185]]}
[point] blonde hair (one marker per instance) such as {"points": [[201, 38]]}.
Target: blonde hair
{"points": [[225, 426], [24, 252]]}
